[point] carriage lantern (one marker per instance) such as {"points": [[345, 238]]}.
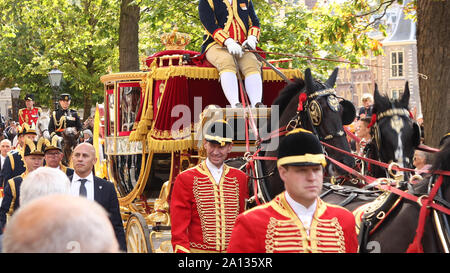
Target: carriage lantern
{"points": [[15, 93], [55, 77]]}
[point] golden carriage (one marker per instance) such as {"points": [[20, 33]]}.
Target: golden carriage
{"points": [[150, 132]]}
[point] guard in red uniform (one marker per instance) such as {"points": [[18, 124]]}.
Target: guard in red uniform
{"points": [[297, 220], [30, 114], [207, 198]]}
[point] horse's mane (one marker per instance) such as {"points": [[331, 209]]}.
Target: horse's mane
{"points": [[288, 93], [442, 159]]}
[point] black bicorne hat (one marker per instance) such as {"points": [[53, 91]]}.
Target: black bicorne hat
{"points": [[300, 148], [53, 144], [29, 97], [27, 129], [34, 147], [219, 132]]}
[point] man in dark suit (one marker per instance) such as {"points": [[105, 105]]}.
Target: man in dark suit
{"points": [[85, 183]]}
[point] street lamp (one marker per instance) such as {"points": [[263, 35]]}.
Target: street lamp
{"points": [[15, 93], [55, 77]]}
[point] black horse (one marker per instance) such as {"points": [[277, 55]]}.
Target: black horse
{"points": [[395, 136], [320, 112], [390, 226], [395, 133]]}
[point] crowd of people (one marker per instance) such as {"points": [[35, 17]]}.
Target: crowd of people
{"points": [[47, 206]]}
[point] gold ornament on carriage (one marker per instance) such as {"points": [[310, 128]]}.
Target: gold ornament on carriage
{"points": [[315, 112], [175, 40]]}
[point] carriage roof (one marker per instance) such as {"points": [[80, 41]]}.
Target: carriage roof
{"points": [[171, 78]]}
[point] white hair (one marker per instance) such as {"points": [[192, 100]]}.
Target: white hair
{"points": [[5, 140], [43, 181], [60, 224]]}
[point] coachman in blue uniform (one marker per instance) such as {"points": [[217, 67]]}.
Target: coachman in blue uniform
{"points": [[231, 25]]}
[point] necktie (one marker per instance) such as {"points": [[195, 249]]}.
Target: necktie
{"points": [[83, 191]]}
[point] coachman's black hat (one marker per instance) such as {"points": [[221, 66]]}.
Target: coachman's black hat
{"points": [[300, 148], [29, 97], [65, 97], [219, 132], [34, 147]]}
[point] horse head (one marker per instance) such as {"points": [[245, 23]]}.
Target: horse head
{"points": [[42, 125], [396, 133], [325, 114]]}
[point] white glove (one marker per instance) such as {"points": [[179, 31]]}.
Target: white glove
{"points": [[233, 47], [250, 42]]}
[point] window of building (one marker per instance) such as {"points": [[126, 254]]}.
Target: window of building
{"points": [[396, 93], [397, 64]]}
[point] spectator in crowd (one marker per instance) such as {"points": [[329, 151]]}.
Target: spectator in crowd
{"points": [[5, 147], [60, 224], [10, 130], [87, 136], [364, 133], [85, 183], [43, 181], [89, 124], [422, 161], [366, 109]]}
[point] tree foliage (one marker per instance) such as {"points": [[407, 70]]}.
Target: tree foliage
{"points": [[78, 36], [81, 36]]}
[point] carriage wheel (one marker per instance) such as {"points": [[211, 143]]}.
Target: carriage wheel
{"points": [[137, 234]]}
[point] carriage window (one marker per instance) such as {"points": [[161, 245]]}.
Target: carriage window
{"points": [[129, 110], [110, 112], [397, 64]]}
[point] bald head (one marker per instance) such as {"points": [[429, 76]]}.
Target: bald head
{"points": [[58, 224], [83, 159]]}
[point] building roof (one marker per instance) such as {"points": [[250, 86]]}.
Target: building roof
{"points": [[404, 29]]}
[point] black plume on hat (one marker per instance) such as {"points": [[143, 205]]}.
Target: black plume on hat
{"points": [[219, 132], [300, 148]]}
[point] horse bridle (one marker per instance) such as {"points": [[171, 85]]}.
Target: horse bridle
{"points": [[314, 111]]}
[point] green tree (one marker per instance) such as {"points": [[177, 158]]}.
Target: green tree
{"points": [[80, 37]]}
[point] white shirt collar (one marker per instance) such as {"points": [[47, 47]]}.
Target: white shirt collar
{"points": [[90, 177], [216, 172], [304, 214]]}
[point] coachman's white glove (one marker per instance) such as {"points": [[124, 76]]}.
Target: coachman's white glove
{"points": [[250, 42], [233, 47]]}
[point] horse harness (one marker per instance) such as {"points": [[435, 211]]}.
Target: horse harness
{"points": [[372, 215]]}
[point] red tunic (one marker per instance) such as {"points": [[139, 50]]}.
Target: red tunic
{"points": [[203, 213], [274, 227], [29, 116]]}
